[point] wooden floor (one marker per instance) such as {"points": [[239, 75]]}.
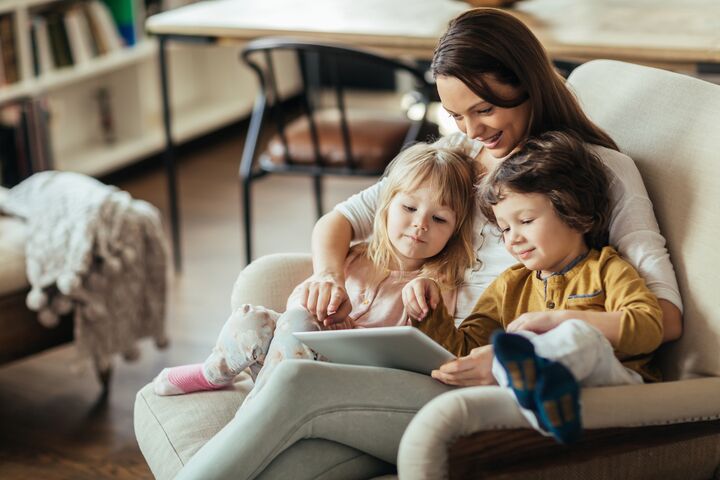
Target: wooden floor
{"points": [[52, 424]]}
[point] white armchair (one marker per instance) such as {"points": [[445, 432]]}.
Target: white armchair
{"points": [[670, 125]]}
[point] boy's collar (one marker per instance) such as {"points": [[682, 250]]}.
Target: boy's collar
{"points": [[567, 267]]}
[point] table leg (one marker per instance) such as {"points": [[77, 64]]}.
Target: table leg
{"points": [[169, 156]]}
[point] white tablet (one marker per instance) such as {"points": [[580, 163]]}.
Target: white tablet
{"points": [[405, 348]]}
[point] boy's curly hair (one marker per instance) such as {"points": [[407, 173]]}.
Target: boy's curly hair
{"points": [[560, 166]]}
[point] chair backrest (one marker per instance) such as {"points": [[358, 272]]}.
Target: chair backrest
{"points": [[323, 77], [670, 125]]}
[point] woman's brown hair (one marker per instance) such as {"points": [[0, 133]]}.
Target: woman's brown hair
{"points": [[488, 41], [559, 166]]}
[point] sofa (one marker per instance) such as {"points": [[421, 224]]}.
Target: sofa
{"points": [[21, 334], [670, 125]]}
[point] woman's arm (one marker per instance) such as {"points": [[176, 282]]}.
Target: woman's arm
{"points": [[635, 233], [324, 292], [672, 320]]}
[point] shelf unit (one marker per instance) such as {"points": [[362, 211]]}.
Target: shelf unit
{"points": [[209, 89]]}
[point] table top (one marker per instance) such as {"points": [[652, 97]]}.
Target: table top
{"points": [[662, 32]]}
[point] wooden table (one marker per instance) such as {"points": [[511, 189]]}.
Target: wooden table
{"points": [[682, 35], [676, 33]]}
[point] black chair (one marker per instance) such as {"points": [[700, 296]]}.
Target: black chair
{"points": [[312, 139]]}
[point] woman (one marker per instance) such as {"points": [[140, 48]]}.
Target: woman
{"points": [[334, 421]]}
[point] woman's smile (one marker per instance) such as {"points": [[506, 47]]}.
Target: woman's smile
{"points": [[492, 142]]}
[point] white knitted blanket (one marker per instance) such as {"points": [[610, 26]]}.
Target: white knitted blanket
{"points": [[94, 251]]}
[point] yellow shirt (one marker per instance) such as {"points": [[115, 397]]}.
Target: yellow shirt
{"points": [[602, 282]]}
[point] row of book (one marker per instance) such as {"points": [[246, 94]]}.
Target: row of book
{"points": [[72, 34], [24, 140]]}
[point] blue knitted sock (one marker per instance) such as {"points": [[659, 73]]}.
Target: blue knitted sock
{"points": [[517, 356], [557, 399]]}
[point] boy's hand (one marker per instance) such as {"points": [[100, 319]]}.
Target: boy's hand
{"points": [[538, 322], [419, 297], [472, 369]]}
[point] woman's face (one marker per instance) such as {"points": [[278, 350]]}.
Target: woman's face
{"points": [[500, 129]]}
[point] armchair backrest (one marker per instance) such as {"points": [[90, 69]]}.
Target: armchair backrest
{"points": [[669, 124]]}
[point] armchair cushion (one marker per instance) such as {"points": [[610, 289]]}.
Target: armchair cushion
{"points": [[170, 430], [375, 140]]}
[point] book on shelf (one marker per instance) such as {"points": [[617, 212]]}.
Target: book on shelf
{"points": [[24, 140], [8, 48], [59, 42], [103, 27], [98, 36], [42, 52], [2, 69], [74, 33], [13, 160], [125, 15], [78, 33], [36, 116]]}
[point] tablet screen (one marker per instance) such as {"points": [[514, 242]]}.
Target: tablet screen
{"points": [[405, 348]]}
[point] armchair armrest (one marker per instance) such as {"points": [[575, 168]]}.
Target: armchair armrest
{"points": [[479, 433], [269, 280]]}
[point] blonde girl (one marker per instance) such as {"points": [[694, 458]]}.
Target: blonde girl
{"points": [[423, 229]]}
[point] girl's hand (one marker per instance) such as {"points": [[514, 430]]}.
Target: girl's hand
{"points": [[473, 369], [419, 296], [324, 295], [538, 322], [347, 324]]}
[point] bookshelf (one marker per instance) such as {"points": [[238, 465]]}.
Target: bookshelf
{"points": [[104, 110]]}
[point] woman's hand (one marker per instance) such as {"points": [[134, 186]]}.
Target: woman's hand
{"points": [[419, 296], [473, 369], [539, 322], [324, 295]]}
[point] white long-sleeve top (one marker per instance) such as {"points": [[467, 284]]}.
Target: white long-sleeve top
{"points": [[634, 231]]}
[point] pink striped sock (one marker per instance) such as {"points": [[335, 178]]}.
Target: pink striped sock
{"points": [[183, 379]]}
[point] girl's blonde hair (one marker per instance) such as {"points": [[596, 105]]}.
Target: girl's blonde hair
{"points": [[451, 175]]}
